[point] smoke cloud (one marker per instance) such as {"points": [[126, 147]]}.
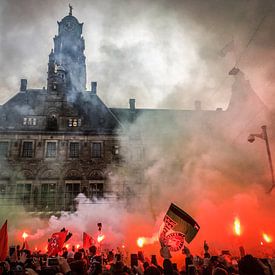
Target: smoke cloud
{"points": [[164, 54]]}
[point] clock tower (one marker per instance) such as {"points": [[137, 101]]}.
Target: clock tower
{"points": [[68, 54]]}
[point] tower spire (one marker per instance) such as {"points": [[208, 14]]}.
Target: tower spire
{"points": [[71, 9]]}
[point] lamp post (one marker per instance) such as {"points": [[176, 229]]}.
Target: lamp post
{"points": [[263, 135]]}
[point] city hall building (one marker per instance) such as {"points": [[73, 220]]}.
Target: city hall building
{"points": [[62, 140]]}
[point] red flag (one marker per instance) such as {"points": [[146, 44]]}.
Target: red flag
{"points": [[87, 240], [4, 241], [56, 242]]}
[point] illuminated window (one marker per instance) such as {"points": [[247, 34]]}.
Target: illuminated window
{"points": [[30, 121], [96, 150], [27, 149], [4, 147], [74, 122], [74, 150], [116, 149], [51, 149]]}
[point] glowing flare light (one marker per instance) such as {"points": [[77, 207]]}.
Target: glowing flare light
{"points": [[237, 227], [25, 235], [140, 242], [267, 238], [100, 238]]}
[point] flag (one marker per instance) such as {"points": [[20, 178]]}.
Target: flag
{"points": [[177, 226], [229, 47], [56, 242], [87, 240], [4, 241]]}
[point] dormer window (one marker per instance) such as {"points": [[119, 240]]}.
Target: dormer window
{"points": [[74, 122], [29, 121]]}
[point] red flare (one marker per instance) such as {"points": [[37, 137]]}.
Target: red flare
{"points": [[237, 227], [267, 238], [100, 238], [25, 235], [140, 242]]}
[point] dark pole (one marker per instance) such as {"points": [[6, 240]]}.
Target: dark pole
{"points": [[269, 157]]}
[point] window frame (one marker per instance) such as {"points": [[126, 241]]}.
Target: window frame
{"points": [[43, 203], [69, 196], [94, 194], [69, 149], [96, 156], [4, 183], [22, 200], [22, 148], [8, 149], [29, 121], [74, 122], [46, 149]]}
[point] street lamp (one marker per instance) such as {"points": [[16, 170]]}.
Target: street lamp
{"points": [[263, 135]]}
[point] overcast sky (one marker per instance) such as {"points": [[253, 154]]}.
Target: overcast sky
{"points": [[166, 54]]}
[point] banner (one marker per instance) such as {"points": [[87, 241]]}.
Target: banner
{"points": [[56, 242], [87, 240], [176, 228], [4, 241]]}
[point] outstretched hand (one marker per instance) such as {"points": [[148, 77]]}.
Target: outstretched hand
{"points": [[165, 252], [205, 246]]}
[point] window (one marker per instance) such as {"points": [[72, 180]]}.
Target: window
{"points": [[23, 193], [74, 150], [72, 190], [136, 154], [30, 121], [51, 149], [74, 122], [48, 191], [96, 190], [116, 149], [4, 147], [2, 189], [52, 124], [96, 150], [27, 150]]}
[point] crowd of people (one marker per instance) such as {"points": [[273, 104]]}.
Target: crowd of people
{"points": [[93, 262]]}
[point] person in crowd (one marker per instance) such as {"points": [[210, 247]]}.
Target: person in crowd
{"points": [[93, 263]]}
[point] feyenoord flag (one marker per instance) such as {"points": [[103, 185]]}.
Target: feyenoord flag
{"points": [[56, 242], [87, 240], [177, 226]]}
